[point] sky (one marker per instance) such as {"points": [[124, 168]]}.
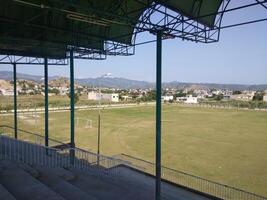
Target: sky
{"points": [[238, 58]]}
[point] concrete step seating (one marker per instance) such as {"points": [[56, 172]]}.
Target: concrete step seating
{"points": [[4, 194], [22, 185], [23, 182]]}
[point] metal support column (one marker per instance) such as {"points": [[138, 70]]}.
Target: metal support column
{"points": [[46, 100], [15, 101], [158, 115], [98, 134], [72, 107]]}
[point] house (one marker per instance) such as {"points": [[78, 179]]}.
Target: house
{"points": [[63, 90], [265, 98], [7, 92], [242, 97], [181, 99], [167, 98], [217, 92], [126, 98], [114, 97], [96, 96], [188, 99], [191, 100]]}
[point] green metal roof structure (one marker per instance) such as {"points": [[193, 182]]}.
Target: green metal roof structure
{"points": [[195, 9], [49, 28]]}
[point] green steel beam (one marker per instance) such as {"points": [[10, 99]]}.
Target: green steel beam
{"points": [[72, 107], [158, 115], [15, 101], [98, 134], [46, 101]]}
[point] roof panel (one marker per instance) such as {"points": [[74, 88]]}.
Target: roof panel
{"points": [[82, 23], [35, 48], [195, 9]]}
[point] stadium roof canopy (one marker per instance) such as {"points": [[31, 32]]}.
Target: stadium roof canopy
{"points": [[49, 28]]}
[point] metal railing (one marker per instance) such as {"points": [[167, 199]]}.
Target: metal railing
{"points": [[41, 156], [35, 154], [28, 136], [192, 182]]}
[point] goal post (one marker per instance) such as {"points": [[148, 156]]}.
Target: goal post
{"points": [[83, 122]]}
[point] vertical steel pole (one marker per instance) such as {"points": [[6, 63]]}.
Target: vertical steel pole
{"points": [[15, 100], [98, 131], [72, 107], [158, 115], [46, 101]]}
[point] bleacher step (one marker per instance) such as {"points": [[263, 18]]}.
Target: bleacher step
{"points": [[4, 194], [101, 187], [32, 171], [50, 178], [146, 183], [23, 186]]}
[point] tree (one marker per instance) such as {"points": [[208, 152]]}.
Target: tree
{"points": [[180, 94], [237, 92], [55, 91], [218, 97], [76, 97], [151, 95], [258, 96]]}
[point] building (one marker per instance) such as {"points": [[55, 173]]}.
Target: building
{"points": [[167, 98], [242, 97], [94, 96], [181, 99], [191, 100], [113, 97], [63, 90], [126, 98], [265, 98], [7, 92], [188, 99]]}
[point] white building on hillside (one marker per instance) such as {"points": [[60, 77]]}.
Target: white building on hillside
{"points": [[242, 97], [94, 96], [190, 99], [126, 98], [63, 90], [167, 98], [114, 97], [7, 92], [181, 99], [265, 98]]}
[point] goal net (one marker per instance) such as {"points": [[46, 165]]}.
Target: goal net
{"points": [[84, 123]]}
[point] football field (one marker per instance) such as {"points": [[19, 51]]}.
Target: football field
{"points": [[228, 146]]}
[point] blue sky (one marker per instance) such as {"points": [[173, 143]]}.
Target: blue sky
{"points": [[239, 57]]}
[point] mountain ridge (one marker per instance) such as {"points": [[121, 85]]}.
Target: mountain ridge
{"points": [[124, 83]]}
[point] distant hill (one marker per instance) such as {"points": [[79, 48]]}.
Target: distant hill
{"points": [[4, 84], [123, 83], [6, 75], [176, 84], [115, 83], [59, 82]]}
